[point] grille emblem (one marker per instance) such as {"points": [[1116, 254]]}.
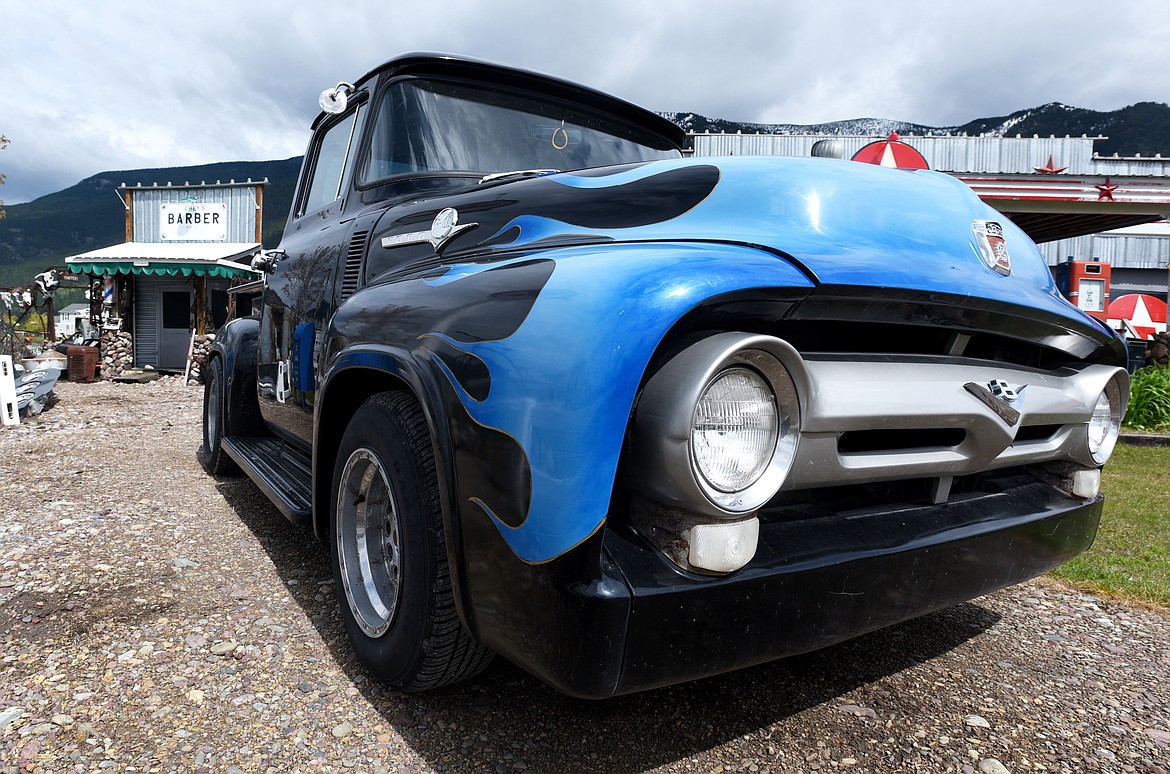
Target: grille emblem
{"points": [[1002, 390], [996, 397]]}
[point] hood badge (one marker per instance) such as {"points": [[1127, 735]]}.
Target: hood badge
{"points": [[993, 248], [998, 396], [444, 228]]}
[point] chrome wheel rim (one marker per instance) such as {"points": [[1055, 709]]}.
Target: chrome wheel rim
{"points": [[368, 542], [214, 402]]}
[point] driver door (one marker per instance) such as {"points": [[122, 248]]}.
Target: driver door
{"points": [[298, 289]]}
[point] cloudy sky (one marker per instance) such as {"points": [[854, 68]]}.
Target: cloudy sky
{"points": [[87, 87]]}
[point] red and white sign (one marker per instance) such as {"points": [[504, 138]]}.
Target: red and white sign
{"points": [[1145, 313]]}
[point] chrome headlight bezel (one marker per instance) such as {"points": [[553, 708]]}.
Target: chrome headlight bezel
{"points": [[663, 464], [1104, 426]]}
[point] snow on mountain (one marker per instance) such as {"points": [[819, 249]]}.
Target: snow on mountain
{"points": [[1143, 128]]}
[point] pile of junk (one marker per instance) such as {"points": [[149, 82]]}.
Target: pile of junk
{"points": [[28, 372], [26, 388]]}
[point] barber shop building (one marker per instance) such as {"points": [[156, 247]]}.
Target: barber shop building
{"points": [[167, 285]]}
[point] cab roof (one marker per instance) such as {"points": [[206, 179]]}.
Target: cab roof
{"points": [[450, 65]]}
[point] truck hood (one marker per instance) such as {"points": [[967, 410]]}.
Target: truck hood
{"points": [[843, 223]]}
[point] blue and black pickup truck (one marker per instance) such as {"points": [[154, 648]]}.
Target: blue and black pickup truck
{"points": [[549, 389]]}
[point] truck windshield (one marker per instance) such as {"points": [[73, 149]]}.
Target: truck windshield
{"points": [[431, 126]]}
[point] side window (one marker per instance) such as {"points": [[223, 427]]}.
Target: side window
{"points": [[333, 160]]}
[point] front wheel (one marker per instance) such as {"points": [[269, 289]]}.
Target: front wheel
{"points": [[389, 555]]}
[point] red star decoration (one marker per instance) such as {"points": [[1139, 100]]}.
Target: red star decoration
{"points": [[1050, 168], [1105, 191]]}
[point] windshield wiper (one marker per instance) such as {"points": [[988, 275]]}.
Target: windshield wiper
{"points": [[517, 174]]}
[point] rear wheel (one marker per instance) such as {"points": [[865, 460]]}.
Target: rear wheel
{"points": [[389, 555], [215, 459]]}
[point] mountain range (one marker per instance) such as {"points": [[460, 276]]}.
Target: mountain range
{"points": [[90, 215], [1143, 128]]}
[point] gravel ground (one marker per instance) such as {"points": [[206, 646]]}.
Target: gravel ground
{"points": [[156, 619]]}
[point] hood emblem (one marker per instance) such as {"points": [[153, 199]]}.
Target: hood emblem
{"points": [[993, 248], [444, 228]]}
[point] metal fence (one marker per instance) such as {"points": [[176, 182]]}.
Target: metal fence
{"points": [[958, 155], [1121, 251]]}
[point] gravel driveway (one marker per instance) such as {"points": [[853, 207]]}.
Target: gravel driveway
{"points": [[156, 619]]}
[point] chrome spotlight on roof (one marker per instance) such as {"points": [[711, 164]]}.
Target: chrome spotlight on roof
{"points": [[334, 100]]}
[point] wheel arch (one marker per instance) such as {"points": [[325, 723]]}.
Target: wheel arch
{"points": [[355, 376], [235, 344]]}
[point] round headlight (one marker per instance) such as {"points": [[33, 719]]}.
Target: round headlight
{"points": [[1105, 424], [734, 430], [716, 427]]}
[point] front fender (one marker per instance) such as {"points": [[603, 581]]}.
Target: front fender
{"points": [[236, 343], [353, 374], [538, 360]]}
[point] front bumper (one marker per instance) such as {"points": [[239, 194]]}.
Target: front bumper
{"points": [[818, 578]]}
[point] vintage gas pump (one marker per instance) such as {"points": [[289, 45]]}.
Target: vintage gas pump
{"points": [[1086, 284]]}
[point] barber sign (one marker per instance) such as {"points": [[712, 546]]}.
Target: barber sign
{"points": [[193, 222]]}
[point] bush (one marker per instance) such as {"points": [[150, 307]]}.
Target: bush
{"points": [[1149, 399]]}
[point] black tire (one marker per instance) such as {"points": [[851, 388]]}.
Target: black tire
{"points": [[215, 414], [394, 584]]}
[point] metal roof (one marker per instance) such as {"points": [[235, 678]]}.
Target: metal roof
{"points": [[201, 184]]}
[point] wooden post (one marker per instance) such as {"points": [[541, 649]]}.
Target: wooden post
{"points": [[125, 308], [95, 303], [200, 305], [190, 351], [51, 324], [260, 212], [129, 216]]}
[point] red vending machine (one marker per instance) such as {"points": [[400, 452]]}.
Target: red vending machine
{"points": [[1086, 284]]}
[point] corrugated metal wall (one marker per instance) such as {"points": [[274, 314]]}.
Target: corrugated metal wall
{"points": [[1120, 251], [146, 328], [961, 155], [1149, 281], [1131, 167], [240, 200]]}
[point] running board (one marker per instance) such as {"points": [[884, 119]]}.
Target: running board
{"points": [[282, 471]]}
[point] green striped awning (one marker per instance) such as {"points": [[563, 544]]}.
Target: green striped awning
{"points": [[186, 259], [169, 268]]}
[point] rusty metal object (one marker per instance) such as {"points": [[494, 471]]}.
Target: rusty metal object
{"points": [[83, 363]]}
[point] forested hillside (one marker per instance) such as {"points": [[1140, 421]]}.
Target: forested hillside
{"points": [[91, 215]]}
